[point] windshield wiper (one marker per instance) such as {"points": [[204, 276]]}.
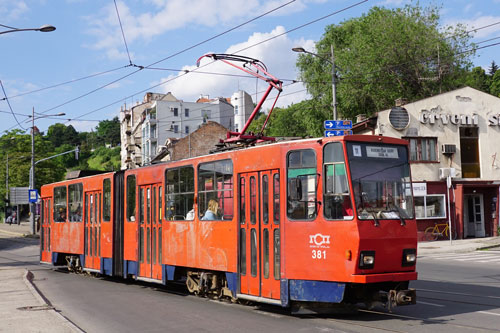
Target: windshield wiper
{"points": [[397, 210]]}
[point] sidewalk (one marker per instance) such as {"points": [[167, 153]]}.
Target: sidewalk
{"points": [[22, 308], [457, 246]]}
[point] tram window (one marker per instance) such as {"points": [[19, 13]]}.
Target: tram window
{"points": [[277, 256], [160, 198], [131, 198], [60, 208], [179, 193], [253, 203], [253, 252], [302, 183], [141, 205], [215, 183], [276, 198], [243, 251], [242, 201], [336, 197], [265, 244], [265, 199], [75, 201], [106, 204]]}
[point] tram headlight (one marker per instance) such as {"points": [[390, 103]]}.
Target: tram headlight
{"points": [[366, 259], [409, 257]]}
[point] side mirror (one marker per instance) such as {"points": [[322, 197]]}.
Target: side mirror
{"points": [[295, 189]]}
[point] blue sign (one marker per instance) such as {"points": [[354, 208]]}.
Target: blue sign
{"points": [[33, 195], [338, 124], [337, 133]]}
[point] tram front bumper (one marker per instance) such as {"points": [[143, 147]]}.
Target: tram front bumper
{"points": [[383, 277]]}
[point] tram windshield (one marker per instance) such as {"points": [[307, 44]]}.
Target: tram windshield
{"points": [[381, 180]]}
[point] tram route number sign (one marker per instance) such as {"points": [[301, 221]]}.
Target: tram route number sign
{"points": [[337, 133], [338, 124]]}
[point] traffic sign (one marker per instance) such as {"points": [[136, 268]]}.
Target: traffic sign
{"points": [[33, 195], [338, 124], [337, 133]]}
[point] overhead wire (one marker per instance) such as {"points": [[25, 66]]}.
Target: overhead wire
{"points": [[253, 45], [123, 34], [10, 107], [169, 57]]}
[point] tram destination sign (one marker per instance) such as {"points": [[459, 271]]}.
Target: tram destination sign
{"points": [[338, 124], [337, 133]]}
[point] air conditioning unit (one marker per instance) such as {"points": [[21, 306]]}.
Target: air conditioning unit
{"points": [[448, 149], [447, 172]]}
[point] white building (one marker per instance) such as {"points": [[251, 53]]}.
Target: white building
{"points": [[147, 127], [454, 134]]}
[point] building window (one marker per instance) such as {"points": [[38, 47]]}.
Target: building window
{"points": [[187, 129], [469, 152], [430, 206], [176, 128], [176, 112], [153, 131], [205, 114], [236, 109], [186, 112], [423, 149]]}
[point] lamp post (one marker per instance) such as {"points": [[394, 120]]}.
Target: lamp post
{"points": [[334, 75], [32, 176], [43, 28]]}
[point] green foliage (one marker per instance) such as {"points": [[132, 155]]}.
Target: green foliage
{"points": [[493, 68], [478, 79], [495, 84], [383, 55], [60, 138]]}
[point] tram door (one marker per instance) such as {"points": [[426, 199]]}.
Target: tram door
{"points": [[259, 250], [92, 233], [150, 231], [45, 251]]}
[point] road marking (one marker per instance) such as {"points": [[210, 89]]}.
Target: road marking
{"points": [[490, 313], [431, 304], [455, 293]]}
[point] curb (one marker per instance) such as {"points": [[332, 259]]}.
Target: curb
{"points": [[28, 280], [19, 234]]}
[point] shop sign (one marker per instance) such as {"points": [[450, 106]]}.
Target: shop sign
{"points": [[428, 117], [419, 189], [494, 119]]}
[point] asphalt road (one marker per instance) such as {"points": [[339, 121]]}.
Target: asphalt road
{"points": [[455, 294]]}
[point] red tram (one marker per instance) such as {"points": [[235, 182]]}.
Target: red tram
{"points": [[316, 222]]}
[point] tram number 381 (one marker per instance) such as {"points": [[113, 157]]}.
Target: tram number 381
{"points": [[319, 254]]}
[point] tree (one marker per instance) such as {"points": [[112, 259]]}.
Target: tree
{"points": [[108, 131], [478, 79], [495, 84], [493, 68], [384, 55]]}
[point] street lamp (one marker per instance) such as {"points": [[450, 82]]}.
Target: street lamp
{"points": [[334, 75], [43, 28], [32, 176]]}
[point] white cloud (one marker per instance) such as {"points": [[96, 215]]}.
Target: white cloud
{"points": [[276, 54], [83, 125], [12, 10], [478, 22], [168, 15]]}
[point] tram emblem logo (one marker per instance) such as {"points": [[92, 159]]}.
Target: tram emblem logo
{"points": [[319, 239]]}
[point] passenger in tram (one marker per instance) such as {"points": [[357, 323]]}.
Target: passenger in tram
{"points": [[62, 215], [190, 215], [77, 215], [211, 213]]}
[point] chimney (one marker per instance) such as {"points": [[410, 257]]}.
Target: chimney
{"points": [[360, 117]]}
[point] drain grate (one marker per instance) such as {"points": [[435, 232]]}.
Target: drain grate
{"points": [[36, 308]]}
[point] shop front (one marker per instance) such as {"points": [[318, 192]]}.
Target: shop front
{"points": [[454, 152]]}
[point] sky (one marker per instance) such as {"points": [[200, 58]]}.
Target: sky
{"points": [[89, 70]]}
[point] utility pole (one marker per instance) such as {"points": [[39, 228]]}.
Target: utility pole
{"points": [[334, 85], [32, 185]]}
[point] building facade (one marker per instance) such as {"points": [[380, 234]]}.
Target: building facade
{"points": [[454, 152], [162, 119]]}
